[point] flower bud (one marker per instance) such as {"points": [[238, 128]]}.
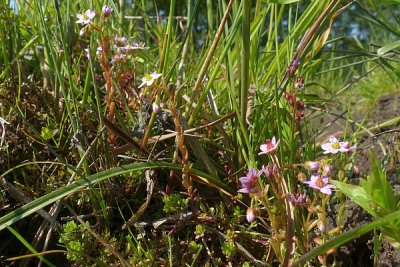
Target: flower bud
{"points": [[327, 170], [251, 214], [299, 83], [357, 169], [311, 165], [106, 11]]}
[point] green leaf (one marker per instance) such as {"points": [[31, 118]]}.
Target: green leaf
{"points": [[355, 193], [387, 48], [378, 187], [37, 204], [283, 2], [390, 2], [347, 236], [46, 133]]}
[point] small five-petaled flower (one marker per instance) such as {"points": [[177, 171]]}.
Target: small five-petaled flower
{"points": [[86, 17], [320, 183], [149, 79], [334, 146], [269, 147], [250, 182]]}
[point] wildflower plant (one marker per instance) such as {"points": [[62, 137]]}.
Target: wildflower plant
{"points": [[169, 141]]}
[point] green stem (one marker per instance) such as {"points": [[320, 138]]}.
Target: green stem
{"points": [[206, 63], [167, 40], [245, 66]]}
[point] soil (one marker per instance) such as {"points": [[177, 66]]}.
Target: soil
{"points": [[384, 142]]}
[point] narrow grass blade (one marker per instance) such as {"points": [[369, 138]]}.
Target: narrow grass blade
{"points": [[52, 197]]}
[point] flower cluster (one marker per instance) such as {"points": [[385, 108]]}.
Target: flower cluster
{"points": [[322, 172], [294, 65], [294, 103]]}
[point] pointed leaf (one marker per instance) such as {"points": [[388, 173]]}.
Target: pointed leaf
{"points": [[387, 48], [355, 193], [378, 187]]}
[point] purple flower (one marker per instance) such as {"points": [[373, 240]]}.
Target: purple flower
{"points": [[106, 11], [311, 165], [250, 182], [320, 183], [149, 79], [86, 17], [334, 146], [270, 171], [298, 199], [120, 41], [269, 147], [117, 58], [139, 46]]}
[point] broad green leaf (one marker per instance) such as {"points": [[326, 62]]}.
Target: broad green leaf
{"points": [[378, 187], [355, 193], [387, 48]]}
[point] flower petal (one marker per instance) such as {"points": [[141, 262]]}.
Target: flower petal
{"points": [[332, 139]]}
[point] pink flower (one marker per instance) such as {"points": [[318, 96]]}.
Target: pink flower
{"points": [[86, 17], [298, 199], [120, 41], [320, 183], [334, 146], [118, 58], [250, 182], [106, 11], [250, 215], [269, 147], [270, 171]]}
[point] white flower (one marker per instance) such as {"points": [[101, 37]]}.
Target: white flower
{"points": [[334, 146], [149, 79], [86, 17]]}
